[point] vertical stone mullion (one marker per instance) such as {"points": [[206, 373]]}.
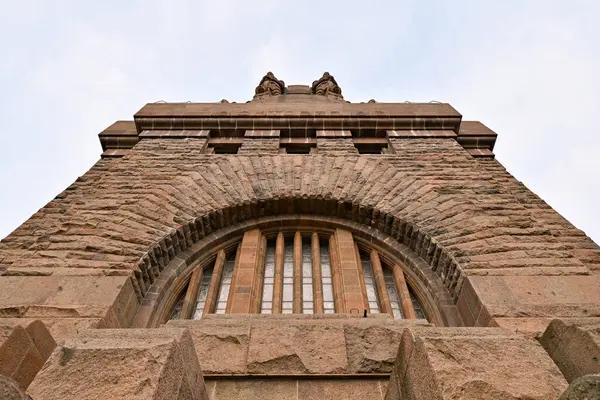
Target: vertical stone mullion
{"points": [[215, 284], [350, 275], [243, 291], [363, 286], [233, 278], [297, 305], [316, 275], [408, 311], [338, 288], [382, 294], [191, 295], [278, 276], [260, 273]]}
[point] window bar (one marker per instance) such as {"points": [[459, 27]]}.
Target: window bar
{"points": [[215, 283], [278, 281], [190, 296], [259, 273], [384, 298], [361, 273], [370, 284], [287, 306], [326, 277], [408, 310], [233, 276], [297, 307], [308, 299], [316, 272], [338, 289], [266, 306], [390, 285]]}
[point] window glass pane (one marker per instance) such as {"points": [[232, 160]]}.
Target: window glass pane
{"points": [[328, 305], [178, 306], [418, 310], [369, 282], [225, 283], [390, 286], [288, 276], [307, 287], [202, 292], [267, 299]]}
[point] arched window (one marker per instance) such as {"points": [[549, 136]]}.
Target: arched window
{"points": [[303, 271]]}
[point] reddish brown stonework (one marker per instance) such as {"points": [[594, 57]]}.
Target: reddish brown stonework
{"points": [[416, 183]]}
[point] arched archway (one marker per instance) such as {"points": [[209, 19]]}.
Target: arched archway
{"points": [[162, 292]]}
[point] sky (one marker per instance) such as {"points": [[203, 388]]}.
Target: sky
{"points": [[526, 69]]}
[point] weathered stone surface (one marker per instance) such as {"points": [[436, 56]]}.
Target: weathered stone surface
{"points": [[536, 296], [372, 348], [139, 211], [532, 327], [124, 363], [482, 364], [24, 347], [586, 387], [62, 296], [222, 347], [10, 390], [288, 344], [574, 345], [298, 348]]}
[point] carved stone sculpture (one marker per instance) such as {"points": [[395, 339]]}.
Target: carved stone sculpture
{"points": [[269, 86], [327, 86]]}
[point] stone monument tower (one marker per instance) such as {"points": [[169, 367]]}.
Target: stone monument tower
{"points": [[298, 246]]}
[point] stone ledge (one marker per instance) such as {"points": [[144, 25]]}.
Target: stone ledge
{"points": [[286, 346], [125, 363], [574, 345]]}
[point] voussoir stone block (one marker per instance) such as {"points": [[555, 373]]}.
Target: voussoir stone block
{"points": [[472, 363], [24, 347], [574, 345], [125, 364]]}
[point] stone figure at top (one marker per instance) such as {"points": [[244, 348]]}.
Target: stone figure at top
{"points": [[269, 86], [327, 86]]}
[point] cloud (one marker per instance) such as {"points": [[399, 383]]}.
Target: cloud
{"points": [[526, 69]]}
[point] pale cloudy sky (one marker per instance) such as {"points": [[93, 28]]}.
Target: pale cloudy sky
{"points": [[527, 69]]}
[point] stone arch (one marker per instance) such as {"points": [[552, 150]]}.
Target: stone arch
{"points": [[439, 273]]}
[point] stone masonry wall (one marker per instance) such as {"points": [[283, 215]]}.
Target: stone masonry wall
{"points": [[501, 251]]}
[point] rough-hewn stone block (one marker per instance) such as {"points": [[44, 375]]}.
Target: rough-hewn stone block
{"points": [[472, 363], [296, 344], [124, 363], [24, 347], [574, 345]]}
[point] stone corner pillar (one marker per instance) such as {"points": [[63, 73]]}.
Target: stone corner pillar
{"points": [[574, 345], [122, 364], [472, 363], [24, 347]]}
